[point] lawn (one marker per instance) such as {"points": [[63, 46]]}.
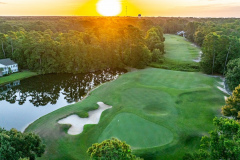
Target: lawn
{"points": [[179, 55], [161, 113], [179, 49], [16, 76]]}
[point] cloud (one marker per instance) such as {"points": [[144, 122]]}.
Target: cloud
{"points": [[3, 3]]}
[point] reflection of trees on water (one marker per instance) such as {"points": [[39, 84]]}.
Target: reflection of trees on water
{"points": [[45, 89]]}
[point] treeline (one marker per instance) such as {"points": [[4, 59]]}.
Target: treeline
{"points": [[220, 42], [111, 44]]}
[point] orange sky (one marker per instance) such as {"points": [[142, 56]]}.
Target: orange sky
{"points": [[183, 8]]}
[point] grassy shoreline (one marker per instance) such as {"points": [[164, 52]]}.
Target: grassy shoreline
{"points": [[16, 76]]}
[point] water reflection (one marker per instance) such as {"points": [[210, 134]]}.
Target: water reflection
{"points": [[24, 101], [46, 89]]}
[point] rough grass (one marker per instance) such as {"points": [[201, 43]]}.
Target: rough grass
{"points": [[183, 103], [177, 65], [16, 76]]}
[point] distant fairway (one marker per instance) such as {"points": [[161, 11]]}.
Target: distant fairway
{"points": [[179, 49], [180, 55], [136, 131], [161, 113]]}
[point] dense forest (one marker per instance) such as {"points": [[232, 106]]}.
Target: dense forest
{"points": [[80, 45], [85, 44]]}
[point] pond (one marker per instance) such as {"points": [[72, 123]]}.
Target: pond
{"points": [[23, 102]]}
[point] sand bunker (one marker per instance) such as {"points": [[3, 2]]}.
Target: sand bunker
{"points": [[77, 123]]}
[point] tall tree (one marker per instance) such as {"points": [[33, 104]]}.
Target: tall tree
{"points": [[232, 107], [3, 39], [233, 73]]}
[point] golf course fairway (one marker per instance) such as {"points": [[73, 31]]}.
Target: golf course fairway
{"points": [[179, 49], [161, 113]]}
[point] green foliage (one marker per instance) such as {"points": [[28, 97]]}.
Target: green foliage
{"points": [[217, 51], [233, 73], [223, 142], [157, 55], [232, 107], [80, 52], [190, 30], [173, 25], [15, 145], [155, 39], [111, 149]]}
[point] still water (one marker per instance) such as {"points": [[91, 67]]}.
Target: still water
{"points": [[23, 102]]}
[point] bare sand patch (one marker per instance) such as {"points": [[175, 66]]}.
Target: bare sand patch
{"points": [[78, 123]]}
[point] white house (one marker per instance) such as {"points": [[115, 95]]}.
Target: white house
{"points": [[5, 64]]}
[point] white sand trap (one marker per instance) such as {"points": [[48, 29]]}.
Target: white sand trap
{"points": [[77, 123]]}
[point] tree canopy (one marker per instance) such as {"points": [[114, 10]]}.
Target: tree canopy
{"points": [[111, 46], [232, 107], [233, 73], [15, 145], [111, 149]]}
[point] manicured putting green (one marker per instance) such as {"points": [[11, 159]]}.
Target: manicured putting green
{"points": [[136, 131]]}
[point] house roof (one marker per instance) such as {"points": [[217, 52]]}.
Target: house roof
{"points": [[7, 62]]}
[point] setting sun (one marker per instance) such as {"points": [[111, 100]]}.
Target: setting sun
{"points": [[109, 7]]}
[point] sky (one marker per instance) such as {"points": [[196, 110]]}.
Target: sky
{"points": [[165, 8]]}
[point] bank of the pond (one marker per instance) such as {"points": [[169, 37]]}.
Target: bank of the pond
{"points": [[16, 76]]}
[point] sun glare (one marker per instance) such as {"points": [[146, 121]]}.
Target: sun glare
{"points": [[109, 7]]}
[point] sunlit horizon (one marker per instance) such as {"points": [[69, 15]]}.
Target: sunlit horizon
{"points": [[148, 8]]}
